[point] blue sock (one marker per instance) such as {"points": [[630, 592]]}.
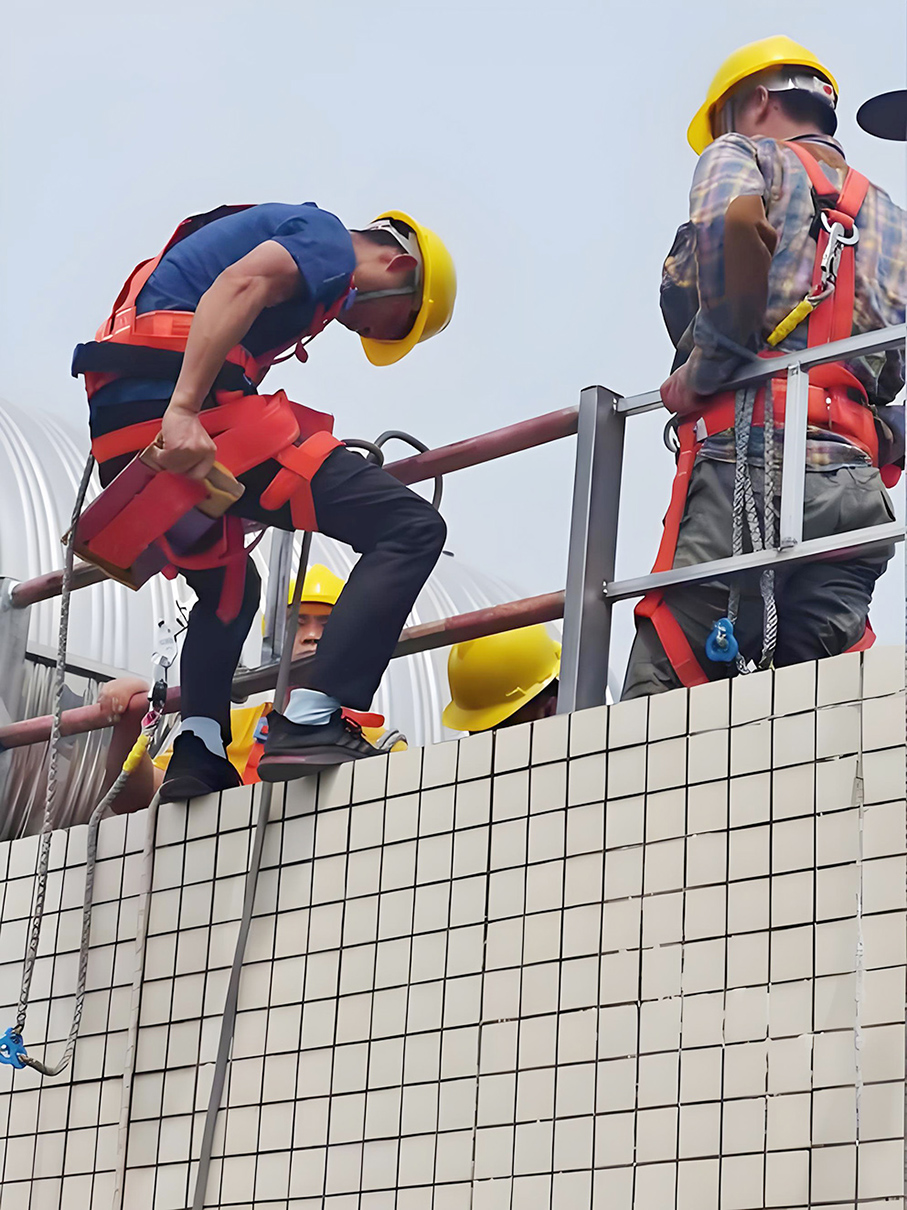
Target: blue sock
{"points": [[311, 707], [208, 731]]}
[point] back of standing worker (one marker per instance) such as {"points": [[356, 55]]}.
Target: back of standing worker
{"points": [[732, 285]]}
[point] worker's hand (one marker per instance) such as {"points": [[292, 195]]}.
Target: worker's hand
{"points": [[114, 697], [187, 449], [677, 395]]}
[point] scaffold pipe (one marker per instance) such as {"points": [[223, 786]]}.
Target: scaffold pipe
{"points": [[442, 633]]}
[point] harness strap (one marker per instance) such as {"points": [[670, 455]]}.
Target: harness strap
{"points": [[300, 463], [833, 319], [269, 414], [138, 278]]}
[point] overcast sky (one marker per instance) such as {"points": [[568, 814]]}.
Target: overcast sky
{"points": [[546, 143]]}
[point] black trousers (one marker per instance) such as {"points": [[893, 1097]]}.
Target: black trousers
{"points": [[399, 536], [822, 607]]}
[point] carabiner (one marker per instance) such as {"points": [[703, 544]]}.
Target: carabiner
{"points": [[12, 1049], [721, 646]]}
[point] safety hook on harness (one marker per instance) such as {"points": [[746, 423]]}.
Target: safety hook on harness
{"points": [[161, 661], [838, 240]]}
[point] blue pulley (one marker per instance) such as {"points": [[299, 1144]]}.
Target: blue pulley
{"points": [[12, 1049], [721, 646]]}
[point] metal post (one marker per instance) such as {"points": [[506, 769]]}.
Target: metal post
{"points": [[793, 476], [279, 561], [13, 639], [592, 551]]}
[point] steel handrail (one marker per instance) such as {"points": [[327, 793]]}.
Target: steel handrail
{"points": [[881, 340], [512, 439], [486, 447], [427, 636]]}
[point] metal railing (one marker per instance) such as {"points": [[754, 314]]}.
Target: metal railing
{"points": [[591, 591]]}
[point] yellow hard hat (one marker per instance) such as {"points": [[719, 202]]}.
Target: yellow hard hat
{"points": [[439, 291], [320, 587], [492, 677], [749, 60]]}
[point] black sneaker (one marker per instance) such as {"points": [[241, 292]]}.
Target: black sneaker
{"points": [[294, 749], [194, 770]]}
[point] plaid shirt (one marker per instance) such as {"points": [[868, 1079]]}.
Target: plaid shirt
{"points": [[692, 290]]}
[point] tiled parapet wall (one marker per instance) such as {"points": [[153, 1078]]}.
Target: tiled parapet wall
{"points": [[644, 958]]}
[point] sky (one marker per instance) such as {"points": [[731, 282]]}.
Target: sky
{"points": [[546, 144]]}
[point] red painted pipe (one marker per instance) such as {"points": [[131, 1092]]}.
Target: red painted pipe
{"points": [[42, 588], [524, 435], [442, 633]]}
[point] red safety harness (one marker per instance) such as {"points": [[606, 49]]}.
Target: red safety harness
{"points": [[837, 403], [248, 430]]}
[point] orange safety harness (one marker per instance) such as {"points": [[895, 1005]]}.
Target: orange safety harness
{"points": [[248, 429], [833, 395]]}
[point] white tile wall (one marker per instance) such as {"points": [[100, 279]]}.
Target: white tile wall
{"points": [[653, 955]]}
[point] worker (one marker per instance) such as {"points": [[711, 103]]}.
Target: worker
{"points": [[191, 336], [885, 116], [320, 592], [502, 680], [745, 277]]}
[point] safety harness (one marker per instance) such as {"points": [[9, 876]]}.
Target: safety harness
{"points": [[248, 429], [833, 395]]}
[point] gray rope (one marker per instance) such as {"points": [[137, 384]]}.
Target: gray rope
{"points": [[138, 974], [31, 951], [94, 824], [761, 534], [767, 579], [228, 1018]]}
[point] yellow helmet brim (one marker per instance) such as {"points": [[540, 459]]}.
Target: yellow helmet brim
{"points": [[460, 718]]}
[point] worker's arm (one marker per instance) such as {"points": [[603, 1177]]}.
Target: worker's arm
{"points": [[114, 699], [734, 244], [749, 244], [266, 276]]}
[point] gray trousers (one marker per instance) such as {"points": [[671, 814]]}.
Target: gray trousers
{"points": [[822, 607]]}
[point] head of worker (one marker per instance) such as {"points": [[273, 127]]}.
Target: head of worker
{"points": [[502, 680], [774, 88], [320, 591], [404, 287]]}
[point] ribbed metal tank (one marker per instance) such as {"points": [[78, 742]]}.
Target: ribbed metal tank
{"points": [[41, 462]]}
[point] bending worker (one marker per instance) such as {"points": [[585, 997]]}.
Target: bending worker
{"points": [[248, 725], [768, 263], [502, 680], [191, 336]]}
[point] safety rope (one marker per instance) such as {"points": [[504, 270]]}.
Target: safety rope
{"points": [[31, 952], [228, 1017], [138, 977], [767, 579], [745, 509], [12, 1046]]}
